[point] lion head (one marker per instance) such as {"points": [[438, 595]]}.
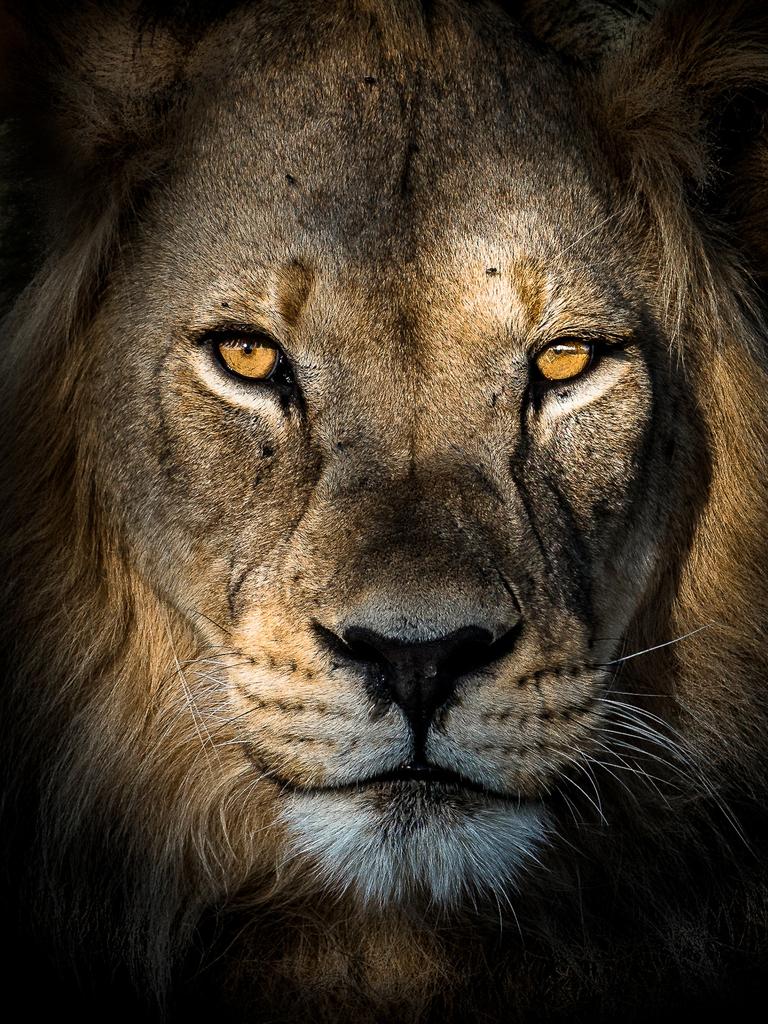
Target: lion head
{"points": [[386, 551]]}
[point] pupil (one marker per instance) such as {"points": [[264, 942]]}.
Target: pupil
{"points": [[247, 349]]}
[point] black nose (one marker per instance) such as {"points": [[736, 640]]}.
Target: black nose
{"points": [[421, 676]]}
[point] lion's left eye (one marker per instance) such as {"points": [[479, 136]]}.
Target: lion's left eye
{"points": [[248, 356], [564, 359]]}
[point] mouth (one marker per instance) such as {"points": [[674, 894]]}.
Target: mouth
{"points": [[424, 779]]}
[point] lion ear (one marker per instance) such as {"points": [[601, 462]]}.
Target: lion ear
{"points": [[584, 30], [686, 101], [684, 110], [87, 79]]}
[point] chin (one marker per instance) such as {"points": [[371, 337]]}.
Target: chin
{"points": [[414, 843]]}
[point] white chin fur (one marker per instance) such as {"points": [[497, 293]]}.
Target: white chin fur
{"points": [[388, 850]]}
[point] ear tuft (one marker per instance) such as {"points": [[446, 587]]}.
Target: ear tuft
{"points": [[585, 30], [696, 68], [684, 104], [89, 78]]}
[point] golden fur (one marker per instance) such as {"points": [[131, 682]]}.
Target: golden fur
{"points": [[168, 705]]}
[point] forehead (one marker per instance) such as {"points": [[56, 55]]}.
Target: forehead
{"points": [[386, 148], [377, 136]]}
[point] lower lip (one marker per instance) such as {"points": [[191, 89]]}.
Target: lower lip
{"points": [[437, 788]]}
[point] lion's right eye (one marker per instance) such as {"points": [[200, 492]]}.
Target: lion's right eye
{"points": [[251, 357], [564, 359]]}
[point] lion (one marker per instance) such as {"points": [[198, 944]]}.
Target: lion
{"points": [[386, 400]]}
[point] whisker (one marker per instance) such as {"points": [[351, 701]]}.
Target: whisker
{"points": [[609, 768], [657, 647], [635, 768], [213, 622], [197, 717], [630, 721], [598, 806]]}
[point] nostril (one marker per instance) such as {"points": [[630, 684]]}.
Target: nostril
{"points": [[352, 645], [417, 658], [363, 645], [467, 649], [332, 641]]}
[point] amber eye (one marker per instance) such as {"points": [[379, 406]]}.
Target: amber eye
{"points": [[247, 356], [564, 359]]}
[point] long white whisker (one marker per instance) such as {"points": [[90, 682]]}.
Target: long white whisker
{"points": [[625, 724], [197, 717], [657, 647]]}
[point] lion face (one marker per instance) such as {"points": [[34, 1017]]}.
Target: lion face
{"points": [[410, 547]]}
